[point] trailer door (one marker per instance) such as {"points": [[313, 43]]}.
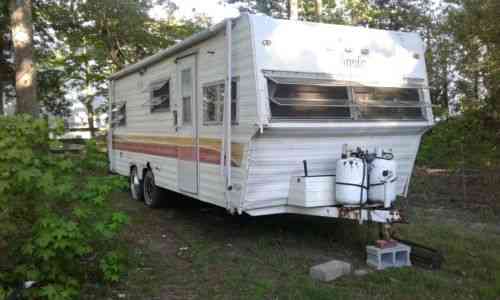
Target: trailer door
{"points": [[188, 154]]}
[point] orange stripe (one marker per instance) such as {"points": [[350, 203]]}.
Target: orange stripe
{"points": [[206, 155]]}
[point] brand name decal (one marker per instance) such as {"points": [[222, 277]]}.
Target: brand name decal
{"points": [[354, 62]]}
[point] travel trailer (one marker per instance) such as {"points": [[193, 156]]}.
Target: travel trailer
{"points": [[265, 116]]}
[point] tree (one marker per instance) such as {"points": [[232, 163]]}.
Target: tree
{"points": [[6, 67], [474, 27], [22, 38], [440, 59], [318, 7], [293, 9], [49, 81], [275, 8], [401, 15]]}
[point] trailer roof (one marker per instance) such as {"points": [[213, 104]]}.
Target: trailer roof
{"points": [[212, 31]]}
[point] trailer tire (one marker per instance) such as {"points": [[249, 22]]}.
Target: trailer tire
{"points": [[152, 193], [135, 185]]}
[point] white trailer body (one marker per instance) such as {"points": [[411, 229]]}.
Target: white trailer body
{"points": [[299, 91]]}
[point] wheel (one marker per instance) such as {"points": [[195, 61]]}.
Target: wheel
{"points": [[135, 183], [152, 193]]}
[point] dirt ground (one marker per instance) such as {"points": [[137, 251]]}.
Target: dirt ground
{"points": [[189, 250]]}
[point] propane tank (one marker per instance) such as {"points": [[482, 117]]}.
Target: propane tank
{"points": [[351, 181], [382, 179]]}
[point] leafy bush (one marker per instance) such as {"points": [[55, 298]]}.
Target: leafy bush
{"points": [[56, 225], [470, 140]]}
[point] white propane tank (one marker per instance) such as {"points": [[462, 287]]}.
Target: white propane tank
{"points": [[383, 179], [351, 181]]}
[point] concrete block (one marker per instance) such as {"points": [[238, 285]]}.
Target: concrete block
{"points": [[382, 258], [362, 272], [330, 270]]}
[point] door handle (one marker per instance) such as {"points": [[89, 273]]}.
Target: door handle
{"points": [[176, 120]]}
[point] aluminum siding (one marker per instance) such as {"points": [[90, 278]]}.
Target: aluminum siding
{"points": [[133, 89], [276, 155]]}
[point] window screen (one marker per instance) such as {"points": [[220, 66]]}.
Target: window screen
{"points": [[213, 103], [160, 97], [388, 103], [301, 101]]}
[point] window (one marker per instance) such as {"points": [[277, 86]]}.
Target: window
{"points": [[160, 97], [388, 103], [186, 110], [310, 99], [305, 102], [187, 92], [213, 103], [119, 114]]}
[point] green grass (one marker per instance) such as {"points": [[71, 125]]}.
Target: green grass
{"points": [[193, 251]]}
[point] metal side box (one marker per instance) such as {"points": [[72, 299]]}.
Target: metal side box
{"points": [[311, 191]]}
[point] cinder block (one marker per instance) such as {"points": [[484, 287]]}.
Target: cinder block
{"points": [[330, 270], [393, 257]]}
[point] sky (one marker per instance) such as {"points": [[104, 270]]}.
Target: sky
{"points": [[215, 9]]}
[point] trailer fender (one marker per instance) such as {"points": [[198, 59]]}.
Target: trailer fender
{"points": [[141, 168]]}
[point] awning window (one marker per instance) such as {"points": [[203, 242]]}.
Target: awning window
{"points": [[303, 100], [322, 98], [388, 103]]}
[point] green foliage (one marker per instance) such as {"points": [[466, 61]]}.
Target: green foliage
{"points": [[56, 226], [469, 140], [112, 266], [94, 159], [474, 26]]}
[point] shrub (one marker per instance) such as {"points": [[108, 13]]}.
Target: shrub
{"points": [[56, 225], [469, 140]]}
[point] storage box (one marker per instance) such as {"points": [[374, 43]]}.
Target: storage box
{"points": [[312, 191]]}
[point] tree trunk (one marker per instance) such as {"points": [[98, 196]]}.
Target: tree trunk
{"points": [[354, 18], [22, 39], [293, 9], [90, 118], [318, 9], [476, 86], [1, 100], [446, 98]]}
